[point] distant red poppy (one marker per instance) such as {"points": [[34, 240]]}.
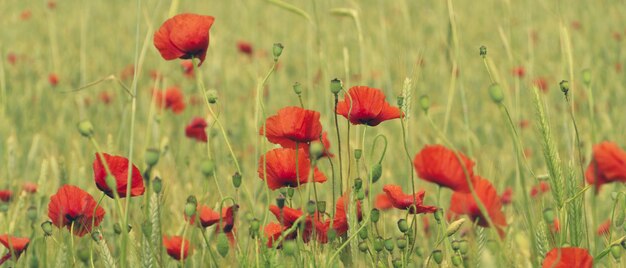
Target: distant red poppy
{"points": [[398, 199], [53, 79], [71, 205], [273, 231], [26, 14], [568, 258], [12, 58], [464, 203], [118, 166], [541, 188], [293, 125], [52, 4], [6, 195], [507, 196], [105, 97], [438, 164], [175, 245], [541, 83], [16, 244], [369, 106], [245, 47], [281, 168], [519, 71], [604, 228], [30, 187], [576, 25], [608, 164], [195, 129], [187, 67], [172, 99], [128, 72], [155, 75], [524, 123], [184, 36]]}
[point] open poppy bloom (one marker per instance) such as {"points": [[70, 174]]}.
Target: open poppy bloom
{"points": [[464, 203], [208, 217], [184, 36], [604, 228], [195, 129], [340, 222], [30, 187], [519, 71], [6, 195], [541, 188], [607, 165], [438, 164], [541, 83], [17, 245], [398, 199], [369, 106], [273, 231], [175, 245], [171, 98], [118, 167], [73, 206], [568, 258], [292, 125], [281, 168]]}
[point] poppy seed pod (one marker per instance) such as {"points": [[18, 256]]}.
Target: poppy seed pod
{"points": [[222, 244], [401, 243], [483, 51], [403, 225], [456, 245], [425, 102], [290, 247], [277, 50], [211, 96], [157, 185], [207, 167], [360, 194], [358, 153], [377, 172], [363, 246], [397, 263], [191, 206], [379, 244], [616, 251], [152, 157], [389, 244], [316, 150], [358, 183], [400, 101], [46, 226], [310, 207], [32, 213], [236, 180], [375, 215], [463, 246], [321, 206], [335, 86], [297, 88], [363, 233], [280, 201], [437, 256], [290, 192], [456, 260], [85, 128], [495, 92], [548, 215], [564, 84]]}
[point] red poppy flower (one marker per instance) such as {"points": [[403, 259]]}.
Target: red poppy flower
{"points": [[340, 221], [6, 195], [369, 106], [607, 165], [507, 196], [556, 226], [524, 123], [245, 47], [105, 97], [26, 14], [464, 203], [519, 71], [184, 36], [52, 4], [293, 125], [273, 231], [118, 167], [541, 83], [195, 129], [128, 72], [172, 99], [541, 188], [568, 258], [604, 228], [187, 67], [175, 245], [30, 187], [71, 205], [53, 79], [288, 216], [400, 200], [209, 217], [438, 164], [12, 58], [16, 244], [281, 168], [382, 202]]}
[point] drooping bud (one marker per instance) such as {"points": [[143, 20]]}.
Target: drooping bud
{"points": [[403, 225], [495, 92], [46, 226], [483, 51], [96, 236], [397, 263], [564, 84], [425, 103], [211, 96], [335, 86], [377, 172], [297, 88], [152, 157], [375, 215], [236, 180], [277, 50], [207, 167], [85, 128], [437, 256], [222, 244]]}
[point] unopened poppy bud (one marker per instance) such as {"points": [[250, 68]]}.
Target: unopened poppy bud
{"points": [[358, 153], [438, 215], [297, 88], [280, 201], [403, 225], [96, 236], [255, 224], [157, 185], [190, 206], [377, 172], [316, 149], [587, 77], [310, 207], [363, 233], [564, 84], [400, 101], [616, 251], [548, 215], [483, 51], [363, 246], [456, 245], [85, 128], [111, 182], [379, 244], [222, 244], [358, 183], [389, 244], [335, 86], [290, 192], [46, 226], [211, 96], [289, 247], [375, 215], [463, 246], [360, 194], [32, 213], [236, 180], [454, 227], [437, 256], [425, 103], [401, 243], [456, 260], [495, 92], [277, 50], [321, 206], [207, 167], [331, 235], [152, 157]]}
